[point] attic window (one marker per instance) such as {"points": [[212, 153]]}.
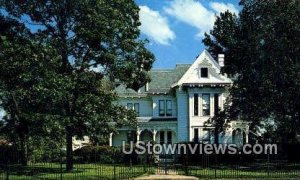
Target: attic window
{"points": [[204, 72]]}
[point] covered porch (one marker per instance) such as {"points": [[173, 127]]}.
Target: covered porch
{"points": [[154, 132]]}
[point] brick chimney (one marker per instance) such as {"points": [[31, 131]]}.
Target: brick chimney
{"points": [[221, 58]]}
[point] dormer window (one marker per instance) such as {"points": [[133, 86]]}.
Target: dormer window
{"points": [[204, 72]]}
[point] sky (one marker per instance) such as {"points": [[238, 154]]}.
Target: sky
{"points": [[175, 28]]}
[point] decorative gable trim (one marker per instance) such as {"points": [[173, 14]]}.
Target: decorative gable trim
{"points": [[203, 60]]}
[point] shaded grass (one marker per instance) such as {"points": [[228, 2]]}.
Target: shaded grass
{"points": [[240, 173], [51, 171]]}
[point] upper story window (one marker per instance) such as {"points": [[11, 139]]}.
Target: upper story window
{"points": [[205, 104], [129, 106], [134, 106], [169, 108], [165, 108], [204, 72], [162, 108], [216, 103], [196, 104]]}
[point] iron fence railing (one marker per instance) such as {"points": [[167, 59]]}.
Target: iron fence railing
{"points": [[92, 166]]}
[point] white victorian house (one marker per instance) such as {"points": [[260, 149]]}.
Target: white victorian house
{"points": [[175, 105]]}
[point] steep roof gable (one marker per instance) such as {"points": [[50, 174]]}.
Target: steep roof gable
{"points": [[192, 75], [161, 81]]}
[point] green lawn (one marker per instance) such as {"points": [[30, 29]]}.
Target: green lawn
{"points": [[234, 173], [49, 171], [81, 171]]}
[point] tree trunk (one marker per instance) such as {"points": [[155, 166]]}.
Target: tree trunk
{"points": [[69, 160], [23, 152]]}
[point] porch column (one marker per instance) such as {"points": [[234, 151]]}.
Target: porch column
{"points": [[110, 139], [247, 140], [154, 132], [138, 133]]}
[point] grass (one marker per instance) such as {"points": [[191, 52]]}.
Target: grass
{"points": [[49, 171], [240, 173]]}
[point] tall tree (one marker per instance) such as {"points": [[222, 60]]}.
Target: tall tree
{"points": [[22, 62], [94, 39], [262, 51]]}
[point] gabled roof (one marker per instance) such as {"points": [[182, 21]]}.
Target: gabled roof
{"points": [[163, 80], [192, 75]]}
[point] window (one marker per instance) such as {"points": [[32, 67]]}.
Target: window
{"points": [[169, 137], [216, 103], [206, 136], [162, 137], [130, 106], [205, 104], [162, 108], [165, 108], [137, 108], [196, 103], [169, 108], [204, 72], [196, 135]]}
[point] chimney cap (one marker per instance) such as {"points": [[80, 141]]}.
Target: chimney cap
{"points": [[221, 55]]}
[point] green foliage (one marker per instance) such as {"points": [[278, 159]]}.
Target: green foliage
{"points": [[61, 73], [103, 154], [261, 46]]}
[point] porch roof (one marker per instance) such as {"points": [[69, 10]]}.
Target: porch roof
{"points": [[156, 119]]}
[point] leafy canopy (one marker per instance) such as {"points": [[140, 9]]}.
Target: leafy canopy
{"points": [[262, 55]]}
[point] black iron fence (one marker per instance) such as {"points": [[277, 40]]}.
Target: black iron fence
{"points": [[90, 165], [105, 165]]}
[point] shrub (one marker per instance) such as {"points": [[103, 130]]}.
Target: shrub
{"points": [[102, 154]]}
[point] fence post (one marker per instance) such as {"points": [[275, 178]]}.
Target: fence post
{"points": [[61, 164], [144, 167], [186, 165], [216, 161], [7, 169], [114, 175], [268, 164], [114, 163]]}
